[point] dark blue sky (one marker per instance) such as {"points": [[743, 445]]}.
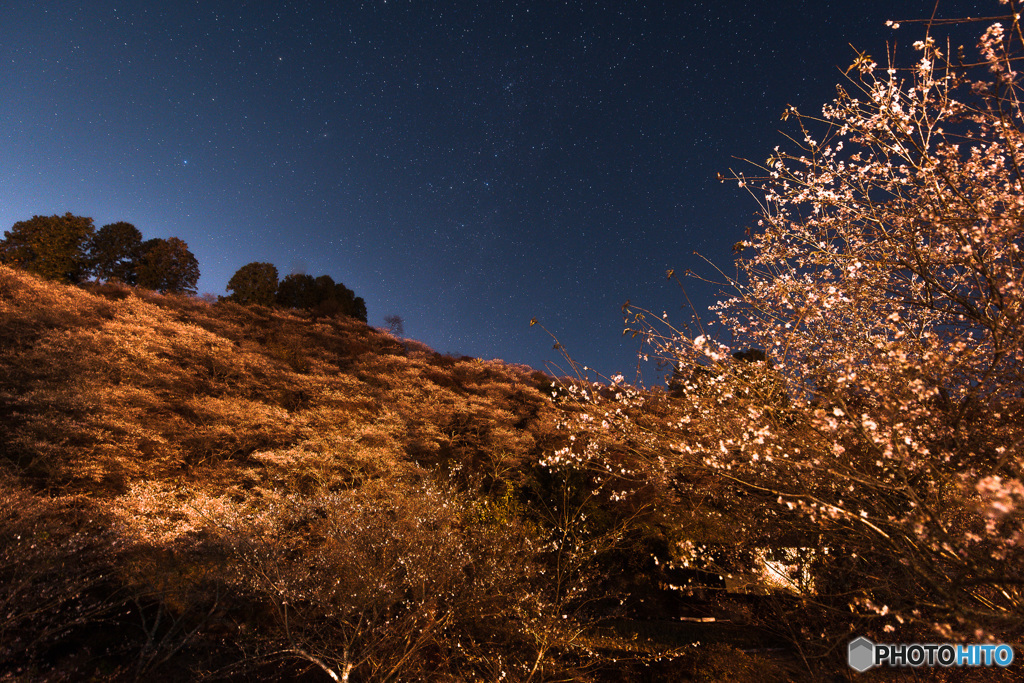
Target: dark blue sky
{"points": [[466, 165]]}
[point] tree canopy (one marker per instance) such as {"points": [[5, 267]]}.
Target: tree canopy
{"points": [[321, 295], [51, 246], [297, 290], [168, 266], [115, 251], [883, 280], [254, 283]]}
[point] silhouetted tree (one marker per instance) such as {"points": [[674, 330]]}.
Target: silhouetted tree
{"points": [[343, 300], [168, 266], [359, 309], [322, 295], [51, 246], [115, 252], [323, 287], [254, 283], [297, 290], [395, 324]]}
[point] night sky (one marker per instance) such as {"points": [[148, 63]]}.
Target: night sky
{"points": [[467, 166]]}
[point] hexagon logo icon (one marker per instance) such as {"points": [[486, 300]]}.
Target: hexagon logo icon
{"points": [[861, 654]]}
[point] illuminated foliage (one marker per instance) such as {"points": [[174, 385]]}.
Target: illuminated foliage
{"points": [[286, 491], [885, 422], [254, 283], [168, 266], [114, 252], [51, 246]]}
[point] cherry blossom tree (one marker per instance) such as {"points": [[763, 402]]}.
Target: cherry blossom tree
{"points": [[882, 282]]}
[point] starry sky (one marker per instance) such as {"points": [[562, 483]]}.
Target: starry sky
{"points": [[465, 165]]}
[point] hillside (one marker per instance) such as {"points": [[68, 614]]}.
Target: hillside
{"points": [[221, 492], [211, 490], [105, 389]]}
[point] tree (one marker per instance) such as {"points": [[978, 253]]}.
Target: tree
{"points": [[296, 290], [345, 301], [883, 279], [51, 246], [254, 283], [168, 266], [359, 309], [115, 251], [324, 288], [395, 324], [321, 295]]}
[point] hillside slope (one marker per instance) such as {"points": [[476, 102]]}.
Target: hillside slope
{"points": [[116, 386], [192, 491]]}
